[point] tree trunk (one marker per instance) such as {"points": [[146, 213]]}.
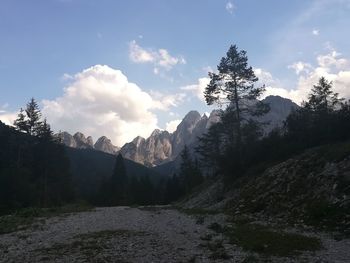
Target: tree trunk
{"points": [[238, 116]]}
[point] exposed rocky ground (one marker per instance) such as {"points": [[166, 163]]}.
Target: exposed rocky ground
{"points": [[312, 188], [155, 234]]}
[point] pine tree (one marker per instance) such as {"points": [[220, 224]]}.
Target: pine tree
{"points": [[322, 98], [211, 147], [190, 174], [44, 131], [314, 122], [234, 85], [119, 181], [33, 117], [20, 123]]}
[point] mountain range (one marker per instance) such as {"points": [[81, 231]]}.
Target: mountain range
{"points": [[161, 146]]}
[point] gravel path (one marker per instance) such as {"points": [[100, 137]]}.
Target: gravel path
{"points": [[124, 234]]}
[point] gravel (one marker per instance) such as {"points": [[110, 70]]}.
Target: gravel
{"points": [[135, 235], [148, 234]]}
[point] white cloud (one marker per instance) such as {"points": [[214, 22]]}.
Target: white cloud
{"points": [[7, 117], [139, 55], [101, 101], [331, 66], [264, 76], [301, 67], [230, 7], [166, 101], [315, 32], [160, 58], [198, 88], [172, 125]]}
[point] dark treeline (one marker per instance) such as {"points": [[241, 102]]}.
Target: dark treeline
{"points": [[188, 178], [122, 189], [34, 170], [238, 143]]}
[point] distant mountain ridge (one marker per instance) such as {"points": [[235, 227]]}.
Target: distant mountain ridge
{"points": [[161, 146], [79, 141]]}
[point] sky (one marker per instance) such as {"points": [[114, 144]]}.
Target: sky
{"points": [[125, 68]]}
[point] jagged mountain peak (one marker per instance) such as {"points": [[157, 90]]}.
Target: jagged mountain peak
{"points": [[191, 116], [79, 135], [138, 140], [81, 140], [90, 141], [67, 139], [162, 146], [156, 132], [105, 145]]}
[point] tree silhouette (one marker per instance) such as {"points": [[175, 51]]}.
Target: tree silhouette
{"points": [[233, 85], [20, 123], [33, 117], [322, 98], [118, 181], [190, 174]]}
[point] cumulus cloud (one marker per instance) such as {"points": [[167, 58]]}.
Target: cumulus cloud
{"points": [[160, 58], [166, 101], [172, 125], [331, 66], [301, 67], [198, 88], [101, 101], [7, 117], [230, 7]]}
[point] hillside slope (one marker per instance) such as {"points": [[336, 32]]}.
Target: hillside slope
{"points": [[312, 188]]}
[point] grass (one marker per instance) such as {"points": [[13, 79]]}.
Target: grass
{"points": [[34, 217], [91, 245], [261, 239]]}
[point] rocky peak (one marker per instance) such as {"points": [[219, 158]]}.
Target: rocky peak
{"points": [[191, 117], [138, 141], [90, 141], [156, 132], [280, 108], [214, 117], [105, 145], [280, 105], [184, 134], [67, 139], [80, 140]]}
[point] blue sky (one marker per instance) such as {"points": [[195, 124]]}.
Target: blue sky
{"points": [[49, 50]]}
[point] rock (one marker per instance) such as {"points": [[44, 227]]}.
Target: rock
{"points": [[90, 141], [105, 145], [67, 139], [81, 141]]}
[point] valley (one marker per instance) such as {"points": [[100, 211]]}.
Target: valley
{"points": [[138, 131]]}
